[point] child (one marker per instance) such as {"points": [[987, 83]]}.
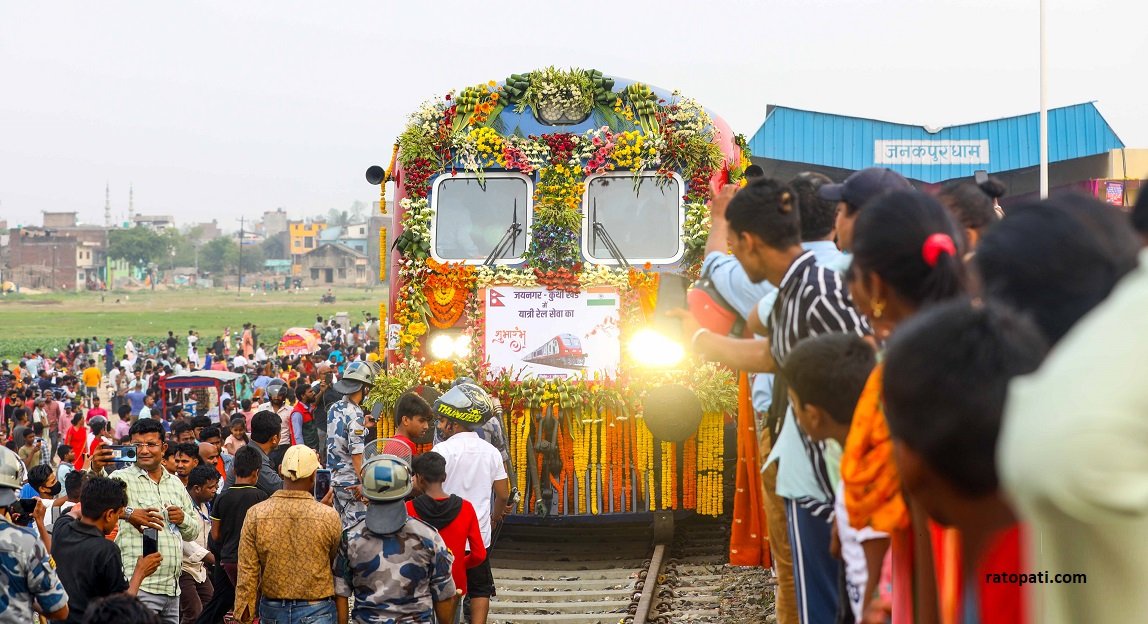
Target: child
{"points": [[947, 373], [825, 376], [32, 448], [238, 437], [247, 412], [99, 434], [413, 418], [454, 517], [67, 462]]}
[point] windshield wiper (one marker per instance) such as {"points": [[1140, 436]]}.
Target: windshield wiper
{"points": [[598, 229], [508, 241]]}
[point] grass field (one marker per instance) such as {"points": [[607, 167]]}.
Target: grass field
{"points": [[48, 321]]}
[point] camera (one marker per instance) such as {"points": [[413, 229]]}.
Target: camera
{"points": [[22, 512]]}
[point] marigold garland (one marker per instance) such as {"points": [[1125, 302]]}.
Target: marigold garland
{"points": [[447, 288]]}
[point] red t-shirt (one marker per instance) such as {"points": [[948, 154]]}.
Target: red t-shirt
{"points": [[409, 442], [463, 529], [999, 603], [96, 411]]}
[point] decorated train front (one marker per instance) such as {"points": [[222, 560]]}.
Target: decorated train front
{"points": [[534, 218]]}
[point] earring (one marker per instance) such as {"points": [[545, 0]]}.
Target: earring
{"points": [[878, 308]]}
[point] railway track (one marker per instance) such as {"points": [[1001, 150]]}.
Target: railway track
{"points": [[610, 575]]}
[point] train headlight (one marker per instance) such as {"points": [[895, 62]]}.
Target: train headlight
{"points": [[462, 346], [442, 347], [654, 350]]}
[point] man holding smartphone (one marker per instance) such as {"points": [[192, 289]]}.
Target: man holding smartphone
{"points": [[89, 565], [157, 500]]}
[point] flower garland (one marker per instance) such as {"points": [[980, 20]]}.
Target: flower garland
{"points": [[447, 288], [695, 233], [557, 217], [413, 245]]}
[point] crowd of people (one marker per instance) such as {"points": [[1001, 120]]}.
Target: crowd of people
{"points": [[946, 397], [167, 511]]}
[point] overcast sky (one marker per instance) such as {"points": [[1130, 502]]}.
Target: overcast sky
{"points": [[216, 109]]}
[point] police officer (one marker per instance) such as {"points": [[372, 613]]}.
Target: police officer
{"points": [[396, 567], [27, 573], [346, 431]]}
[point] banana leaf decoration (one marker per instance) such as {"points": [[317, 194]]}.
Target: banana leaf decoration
{"points": [[515, 87], [645, 104], [603, 88]]}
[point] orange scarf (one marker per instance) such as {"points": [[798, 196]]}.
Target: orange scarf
{"points": [[872, 485]]}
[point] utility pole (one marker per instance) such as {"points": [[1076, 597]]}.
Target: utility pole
{"points": [[239, 286]]}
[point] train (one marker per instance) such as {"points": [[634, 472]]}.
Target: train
{"points": [[561, 351], [543, 208]]}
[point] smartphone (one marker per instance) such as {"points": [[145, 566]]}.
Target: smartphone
{"points": [[322, 483], [672, 289], [123, 453], [150, 541]]}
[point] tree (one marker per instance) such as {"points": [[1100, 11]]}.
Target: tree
{"points": [[358, 212], [221, 256], [218, 255], [338, 218], [275, 247], [252, 259], [139, 246]]}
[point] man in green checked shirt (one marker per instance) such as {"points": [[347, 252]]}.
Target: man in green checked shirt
{"points": [[159, 501]]}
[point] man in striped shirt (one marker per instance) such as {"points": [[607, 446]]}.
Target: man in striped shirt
{"points": [[765, 237]]}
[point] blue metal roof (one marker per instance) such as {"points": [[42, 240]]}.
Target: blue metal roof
{"points": [[955, 152]]}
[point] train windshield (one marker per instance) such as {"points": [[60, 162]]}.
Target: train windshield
{"points": [[472, 219], [644, 223]]}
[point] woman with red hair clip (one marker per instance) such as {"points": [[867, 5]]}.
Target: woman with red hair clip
{"points": [[905, 259]]}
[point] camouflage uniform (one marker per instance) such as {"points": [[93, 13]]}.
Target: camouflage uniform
{"points": [[394, 578], [26, 573], [345, 437]]}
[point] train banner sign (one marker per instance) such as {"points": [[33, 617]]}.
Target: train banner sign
{"points": [[551, 333]]}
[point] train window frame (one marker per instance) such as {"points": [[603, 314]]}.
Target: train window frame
{"points": [[648, 177], [526, 214]]}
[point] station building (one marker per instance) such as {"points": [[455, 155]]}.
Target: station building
{"points": [[1085, 154]]}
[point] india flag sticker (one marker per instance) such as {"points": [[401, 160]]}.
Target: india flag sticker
{"points": [[601, 299]]}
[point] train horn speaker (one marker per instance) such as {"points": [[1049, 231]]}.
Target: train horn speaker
{"points": [[673, 412], [376, 174]]}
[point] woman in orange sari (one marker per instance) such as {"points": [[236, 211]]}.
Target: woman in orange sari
{"points": [[904, 259]]}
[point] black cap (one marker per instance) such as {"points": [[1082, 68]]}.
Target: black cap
{"points": [[862, 186]]}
